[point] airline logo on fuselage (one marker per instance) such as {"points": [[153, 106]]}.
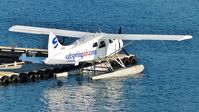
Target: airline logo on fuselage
{"points": [[80, 55], [55, 42]]}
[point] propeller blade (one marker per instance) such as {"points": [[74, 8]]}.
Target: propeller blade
{"points": [[120, 30]]}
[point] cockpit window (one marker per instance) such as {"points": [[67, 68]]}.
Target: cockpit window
{"points": [[102, 44], [95, 44]]}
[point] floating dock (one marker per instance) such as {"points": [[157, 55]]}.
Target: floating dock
{"points": [[11, 54], [19, 72]]}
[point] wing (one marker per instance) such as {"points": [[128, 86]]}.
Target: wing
{"points": [[79, 34], [146, 37], [40, 30]]}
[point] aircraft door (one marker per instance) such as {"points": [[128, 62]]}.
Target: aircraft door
{"points": [[102, 48]]}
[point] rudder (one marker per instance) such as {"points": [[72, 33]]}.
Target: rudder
{"points": [[53, 45]]}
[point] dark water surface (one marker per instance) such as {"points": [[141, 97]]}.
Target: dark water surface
{"points": [[169, 82]]}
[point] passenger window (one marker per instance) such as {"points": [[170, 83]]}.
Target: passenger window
{"points": [[110, 41], [102, 44], [95, 44]]}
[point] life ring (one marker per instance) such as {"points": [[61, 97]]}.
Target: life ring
{"points": [[23, 77], [15, 79], [5, 80]]}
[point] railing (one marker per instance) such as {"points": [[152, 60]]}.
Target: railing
{"points": [[11, 64], [15, 49]]}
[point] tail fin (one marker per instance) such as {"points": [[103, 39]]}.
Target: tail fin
{"points": [[53, 45]]}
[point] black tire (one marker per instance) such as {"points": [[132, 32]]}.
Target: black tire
{"points": [[125, 61], [23, 77], [114, 64], [32, 76], [5, 80], [49, 73], [41, 75], [15, 79], [132, 60]]}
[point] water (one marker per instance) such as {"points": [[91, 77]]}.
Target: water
{"points": [[168, 83]]}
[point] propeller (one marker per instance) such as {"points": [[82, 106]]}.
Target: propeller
{"points": [[120, 32]]}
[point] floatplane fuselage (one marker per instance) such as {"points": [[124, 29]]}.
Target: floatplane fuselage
{"points": [[83, 50]]}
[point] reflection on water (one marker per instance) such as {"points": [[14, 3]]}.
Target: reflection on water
{"points": [[97, 95], [67, 98]]}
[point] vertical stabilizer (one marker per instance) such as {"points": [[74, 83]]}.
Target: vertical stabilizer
{"points": [[53, 45]]}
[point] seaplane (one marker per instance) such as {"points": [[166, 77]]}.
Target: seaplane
{"points": [[89, 47]]}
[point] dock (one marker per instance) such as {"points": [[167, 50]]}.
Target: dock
{"points": [[11, 54], [13, 70]]}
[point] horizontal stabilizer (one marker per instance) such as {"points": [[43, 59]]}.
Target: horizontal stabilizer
{"points": [[40, 30]]}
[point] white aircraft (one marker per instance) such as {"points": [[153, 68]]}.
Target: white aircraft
{"points": [[90, 47]]}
